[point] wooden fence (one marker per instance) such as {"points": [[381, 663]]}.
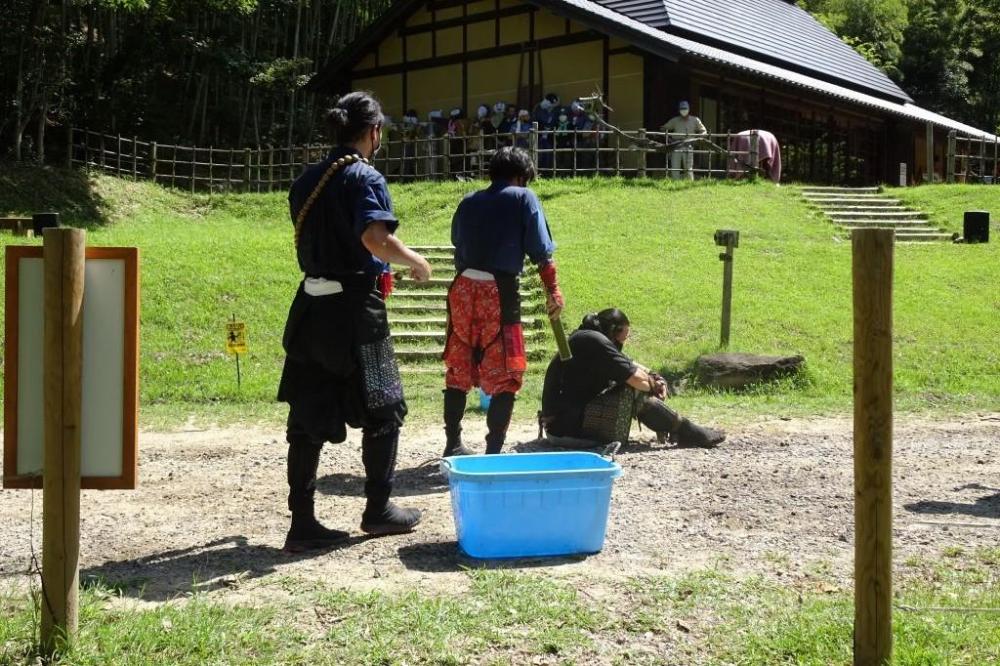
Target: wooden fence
{"points": [[556, 153], [972, 160]]}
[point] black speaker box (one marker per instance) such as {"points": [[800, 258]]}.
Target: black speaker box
{"points": [[976, 227]]}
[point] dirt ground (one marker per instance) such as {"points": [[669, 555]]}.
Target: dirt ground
{"points": [[775, 498]]}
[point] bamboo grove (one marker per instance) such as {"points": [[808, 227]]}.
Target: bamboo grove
{"points": [[222, 72]]}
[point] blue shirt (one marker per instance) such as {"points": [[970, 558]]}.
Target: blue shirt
{"points": [[495, 228], [330, 240]]}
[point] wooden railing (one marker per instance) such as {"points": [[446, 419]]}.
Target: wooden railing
{"points": [[556, 153], [972, 160]]}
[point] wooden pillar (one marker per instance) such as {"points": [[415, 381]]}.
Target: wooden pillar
{"points": [[950, 169], [873, 270], [533, 145], [929, 171], [642, 153], [63, 383]]}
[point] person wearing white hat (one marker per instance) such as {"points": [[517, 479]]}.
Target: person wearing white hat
{"points": [[683, 127]]}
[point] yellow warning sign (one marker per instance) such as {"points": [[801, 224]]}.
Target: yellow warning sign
{"points": [[236, 337]]}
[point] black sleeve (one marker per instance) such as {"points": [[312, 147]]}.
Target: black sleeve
{"points": [[604, 360]]}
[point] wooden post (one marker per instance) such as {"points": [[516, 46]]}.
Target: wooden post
{"points": [[305, 156], [135, 158], [533, 144], [152, 161], [929, 171], [246, 169], [118, 156], [194, 160], [618, 155], [63, 384], [446, 151], [982, 159], [754, 154], [950, 170], [730, 240], [642, 153], [482, 155], [873, 268]]}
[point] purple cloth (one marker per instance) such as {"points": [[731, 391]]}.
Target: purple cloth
{"points": [[768, 148]]}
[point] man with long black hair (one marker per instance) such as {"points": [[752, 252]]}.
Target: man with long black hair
{"points": [[492, 231], [596, 394], [340, 368]]}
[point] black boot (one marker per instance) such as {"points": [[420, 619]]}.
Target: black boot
{"points": [[306, 533], [689, 434], [454, 410], [498, 420], [382, 517], [669, 425]]}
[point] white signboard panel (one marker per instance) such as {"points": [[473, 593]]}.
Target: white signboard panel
{"points": [[110, 365]]}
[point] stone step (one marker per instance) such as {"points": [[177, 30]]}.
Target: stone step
{"points": [[439, 323], [852, 190], [828, 204], [876, 215], [407, 355], [845, 196], [430, 294], [916, 225], [923, 237], [417, 337], [878, 210]]}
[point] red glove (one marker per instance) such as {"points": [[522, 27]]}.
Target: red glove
{"points": [[548, 275], [385, 284]]}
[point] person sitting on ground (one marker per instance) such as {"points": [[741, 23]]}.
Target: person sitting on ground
{"points": [[596, 394]]}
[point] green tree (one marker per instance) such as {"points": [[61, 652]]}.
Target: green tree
{"points": [[873, 27], [940, 45]]}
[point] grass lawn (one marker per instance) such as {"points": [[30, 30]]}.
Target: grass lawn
{"points": [[643, 246], [506, 617]]}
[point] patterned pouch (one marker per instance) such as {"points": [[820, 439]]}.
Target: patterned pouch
{"points": [[608, 417], [380, 375]]}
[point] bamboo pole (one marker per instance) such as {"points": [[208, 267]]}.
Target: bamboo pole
{"points": [[63, 340], [873, 269]]}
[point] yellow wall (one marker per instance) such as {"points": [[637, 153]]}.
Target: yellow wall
{"points": [[418, 47], [390, 52], [481, 35], [549, 25], [624, 92], [389, 90], [515, 29], [572, 71], [480, 7], [449, 41], [437, 88], [492, 81]]}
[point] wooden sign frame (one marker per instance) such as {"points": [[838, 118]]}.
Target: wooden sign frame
{"points": [[130, 407]]}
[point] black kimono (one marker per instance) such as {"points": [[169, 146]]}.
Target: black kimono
{"points": [[340, 369]]}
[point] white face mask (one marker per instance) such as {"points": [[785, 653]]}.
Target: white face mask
{"points": [[685, 112]]}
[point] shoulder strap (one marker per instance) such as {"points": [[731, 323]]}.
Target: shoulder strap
{"points": [[336, 166]]}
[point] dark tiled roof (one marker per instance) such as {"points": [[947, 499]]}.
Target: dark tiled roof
{"points": [[773, 30], [650, 12]]}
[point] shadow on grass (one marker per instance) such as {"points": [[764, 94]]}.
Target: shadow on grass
{"points": [[25, 190], [987, 506], [445, 556], [223, 563]]}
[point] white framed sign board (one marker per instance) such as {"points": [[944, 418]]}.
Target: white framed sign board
{"points": [[109, 425]]}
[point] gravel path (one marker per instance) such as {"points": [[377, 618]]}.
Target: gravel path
{"points": [[776, 499]]}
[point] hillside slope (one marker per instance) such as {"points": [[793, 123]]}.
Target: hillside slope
{"points": [[643, 246]]}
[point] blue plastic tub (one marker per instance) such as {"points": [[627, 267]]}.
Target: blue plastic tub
{"points": [[530, 504]]}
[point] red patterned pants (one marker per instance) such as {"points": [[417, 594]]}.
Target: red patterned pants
{"points": [[480, 350]]}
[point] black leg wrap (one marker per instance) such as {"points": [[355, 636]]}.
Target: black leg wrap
{"points": [[454, 410], [498, 420], [655, 415], [378, 453], [303, 462]]}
